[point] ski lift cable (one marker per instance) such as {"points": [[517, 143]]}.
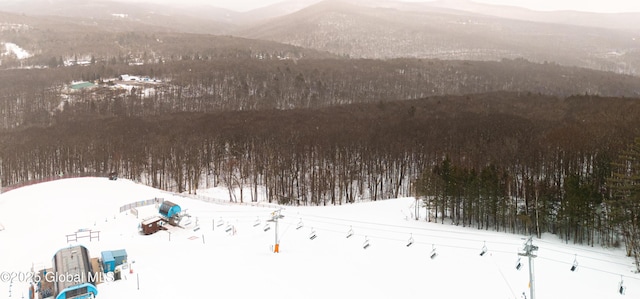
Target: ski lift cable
{"points": [[358, 234], [391, 225], [589, 268], [504, 278], [417, 234], [281, 236], [329, 230], [397, 232], [440, 244], [445, 245], [581, 249], [587, 257], [460, 247], [436, 236], [413, 228], [415, 242]]}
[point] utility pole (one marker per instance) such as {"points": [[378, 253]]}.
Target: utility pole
{"points": [[275, 215], [530, 252]]}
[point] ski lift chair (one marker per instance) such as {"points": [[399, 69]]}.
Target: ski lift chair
{"points": [[350, 232], [300, 224], [484, 249], [575, 264]]}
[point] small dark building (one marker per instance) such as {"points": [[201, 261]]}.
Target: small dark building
{"points": [[152, 225]]}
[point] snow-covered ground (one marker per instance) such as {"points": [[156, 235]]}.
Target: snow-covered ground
{"points": [[20, 53], [206, 261]]}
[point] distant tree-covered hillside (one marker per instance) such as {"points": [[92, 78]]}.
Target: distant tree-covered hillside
{"points": [[196, 84], [361, 30]]}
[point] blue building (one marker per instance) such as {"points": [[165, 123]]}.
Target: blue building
{"points": [[74, 276], [112, 259], [108, 262], [169, 209], [119, 256]]}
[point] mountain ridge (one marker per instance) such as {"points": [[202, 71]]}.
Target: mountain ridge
{"points": [[381, 29]]}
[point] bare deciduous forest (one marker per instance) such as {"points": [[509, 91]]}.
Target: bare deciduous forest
{"points": [[508, 145], [496, 161]]}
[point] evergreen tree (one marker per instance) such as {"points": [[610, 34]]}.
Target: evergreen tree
{"points": [[624, 185], [429, 187]]}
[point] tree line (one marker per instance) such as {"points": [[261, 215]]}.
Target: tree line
{"points": [[41, 97], [502, 161]]}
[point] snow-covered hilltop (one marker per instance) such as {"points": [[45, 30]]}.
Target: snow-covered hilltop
{"points": [[205, 258]]}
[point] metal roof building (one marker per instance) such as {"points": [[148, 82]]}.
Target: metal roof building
{"points": [[74, 276]]}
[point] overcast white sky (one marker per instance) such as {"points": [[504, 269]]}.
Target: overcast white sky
{"points": [[581, 5]]}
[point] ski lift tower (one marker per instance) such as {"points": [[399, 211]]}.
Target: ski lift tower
{"points": [[530, 252], [275, 216]]}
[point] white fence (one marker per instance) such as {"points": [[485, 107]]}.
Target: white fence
{"points": [[227, 202], [141, 203]]}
